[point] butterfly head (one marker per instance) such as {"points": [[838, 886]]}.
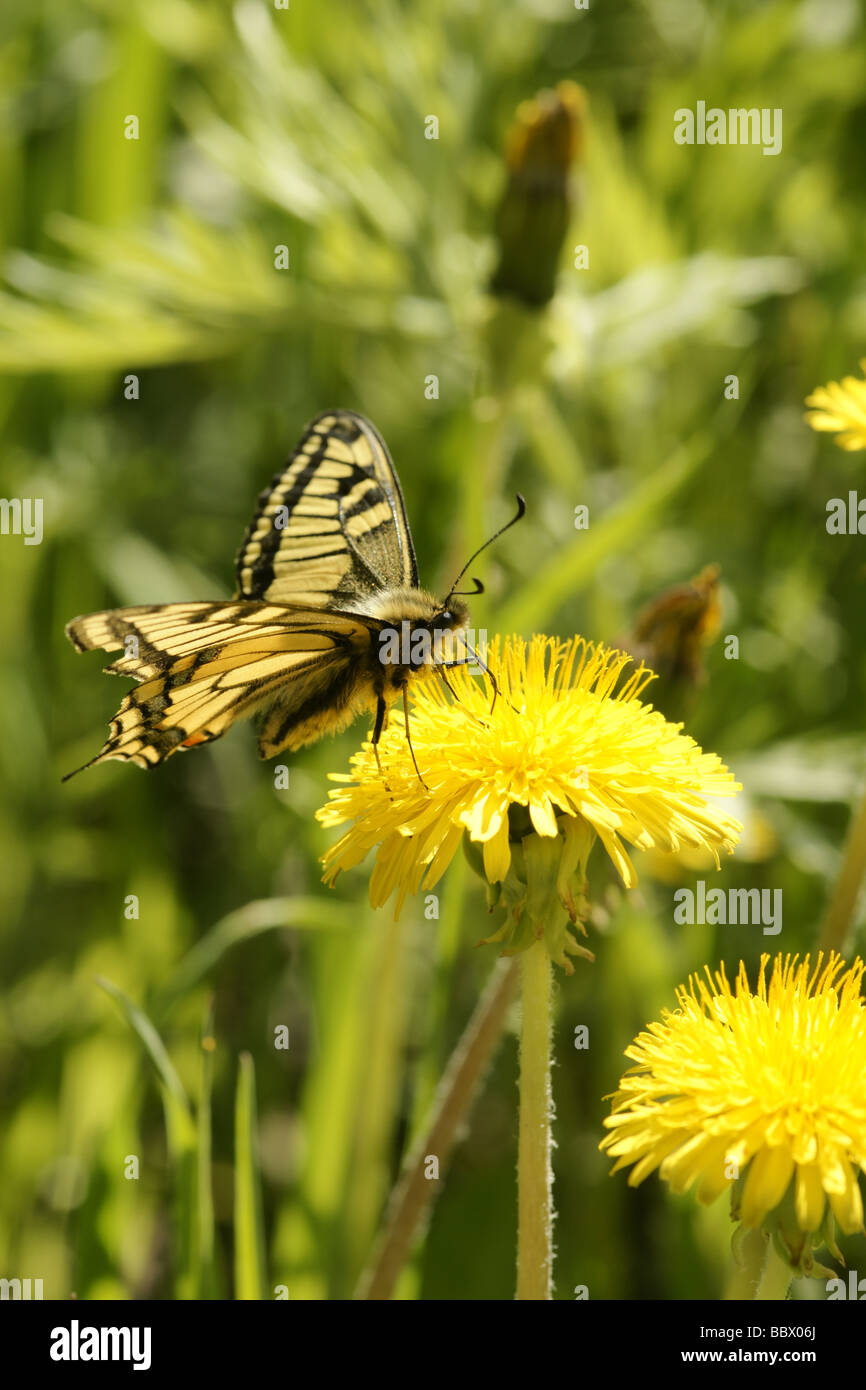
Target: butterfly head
{"points": [[432, 641], [450, 615], [418, 630]]}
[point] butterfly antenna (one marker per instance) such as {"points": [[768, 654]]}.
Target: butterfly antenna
{"points": [[521, 511], [467, 593]]}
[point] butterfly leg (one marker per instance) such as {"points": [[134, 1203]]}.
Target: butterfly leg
{"points": [[381, 717], [474, 657], [409, 736], [440, 670]]}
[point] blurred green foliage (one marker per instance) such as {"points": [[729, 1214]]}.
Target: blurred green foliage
{"points": [[260, 128]]}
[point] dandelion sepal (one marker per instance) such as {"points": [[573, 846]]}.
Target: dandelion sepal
{"points": [[545, 894], [794, 1243]]}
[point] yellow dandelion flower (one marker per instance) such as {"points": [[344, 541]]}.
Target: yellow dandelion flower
{"points": [[763, 1093], [562, 757], [841, 407]]}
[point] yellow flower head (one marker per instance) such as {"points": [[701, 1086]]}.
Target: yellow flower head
{"points": [[841, 406], [763, 1092], [560, 758]]}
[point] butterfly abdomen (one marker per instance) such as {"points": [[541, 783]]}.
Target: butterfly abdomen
{"points": [[305, 712]]}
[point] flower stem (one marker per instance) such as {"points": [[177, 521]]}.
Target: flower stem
{"points": [[750, 1256], [840, 911], [414, 1193], [776, 1277], [534, 1171]]}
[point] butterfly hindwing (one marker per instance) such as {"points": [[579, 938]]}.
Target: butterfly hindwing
{"points": [[331, 528], [201, 666]]}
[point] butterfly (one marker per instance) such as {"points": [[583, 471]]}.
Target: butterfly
{"points": [[326, 578]]}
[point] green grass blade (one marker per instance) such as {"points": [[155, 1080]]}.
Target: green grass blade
{"points": [[180, 1140], [154, 1046], [204, 1174], [249, 1232], [262, 915], [573, 566]]}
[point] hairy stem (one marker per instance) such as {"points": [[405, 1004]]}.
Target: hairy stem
{"points": [[534, 1171]]}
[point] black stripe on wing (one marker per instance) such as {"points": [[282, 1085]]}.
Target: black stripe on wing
{"points": [[332, 525]]}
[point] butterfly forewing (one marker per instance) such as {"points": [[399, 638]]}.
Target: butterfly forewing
{"points": [[331, 528]]}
